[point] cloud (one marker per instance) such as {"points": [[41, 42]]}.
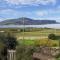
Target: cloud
{"points": [[50, 18], [41, 13], [31, 2], [49, 14], [9, 13]]}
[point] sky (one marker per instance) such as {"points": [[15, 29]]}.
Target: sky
{"points": [[35, 9]]}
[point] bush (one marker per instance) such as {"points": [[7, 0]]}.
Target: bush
{"points": [[24, 52], [11, 42], [52, 36]]}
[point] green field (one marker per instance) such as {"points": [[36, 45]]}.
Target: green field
{"points": [[42, 32], [34, 36], [44, 42], [41, 41]]}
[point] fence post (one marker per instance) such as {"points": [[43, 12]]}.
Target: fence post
{"points": [[11, 55]]}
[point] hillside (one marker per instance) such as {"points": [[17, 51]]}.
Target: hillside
{"points": [[27, 21]]}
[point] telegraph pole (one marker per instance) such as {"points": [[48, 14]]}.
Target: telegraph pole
{"points": [[23, 28]]}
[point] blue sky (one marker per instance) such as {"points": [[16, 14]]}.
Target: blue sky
{"points": [[35, 9]]}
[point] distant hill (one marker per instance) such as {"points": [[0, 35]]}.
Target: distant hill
{"points": [[27, 21]]}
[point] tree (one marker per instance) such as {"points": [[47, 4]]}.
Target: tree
{"points": [[52, 36], [3, 51], [11, 42]]}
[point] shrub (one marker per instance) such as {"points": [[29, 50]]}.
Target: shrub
{"points": [[52, 36]]}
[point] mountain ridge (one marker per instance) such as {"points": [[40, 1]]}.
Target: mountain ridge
{"points": [[27, 21]]}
